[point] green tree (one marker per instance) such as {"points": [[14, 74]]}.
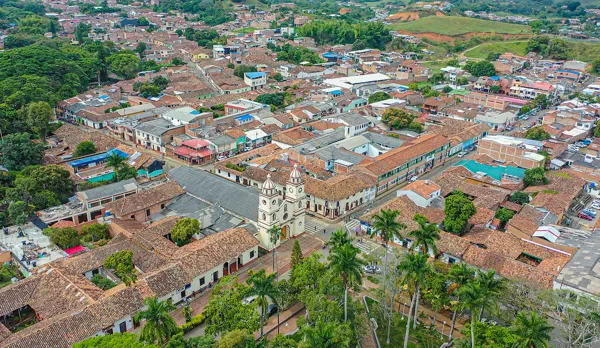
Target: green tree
{"points": [[18, 151], [535, 176], [537, 133], [263, 286], [597, 129], [541, 101], [596, 66], [278, 77], [115, 340], [425, 236], [103, 282], [81, 31], [159, 326], [241, 69], [38, 116], [19, 212], [481, 68], [140, 49], [183, 230], [504, 215], [95, 232], [447, 89], [226, 312], [397, 118], [345, 263], [488, 335], [458, 209], [461, 81], [519, 197], [116, 162], [338, 239], [378, 96], [122, 263], [177, 61], [124, 65], [460, 275], [533, 331], [414, 269], [524, 109], [306, 275], [296, 257], [237, 339], [281, 341], [326, 335], [65, 238], [85, 148], [387, 228]]}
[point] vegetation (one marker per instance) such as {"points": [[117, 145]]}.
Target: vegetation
{"points": [[519, 197], [296, 256], [152, 87], [121, 262], [295, 54], [344, 263], [204, 38], [535, 176], [265, 289], [481, 68], [66, 237], [129, 340], [504, 215], [378, 96], [400, 119], [95, 232], [18, 151], [159, 326], [360, 35], [425, 236], [103, 282], [241, 69], [458, 209], [274, 99], [537, 133], [183, 231], [454, 26], [484, 50], [84, 148]]}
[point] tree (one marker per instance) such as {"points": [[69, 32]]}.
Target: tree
{"points": [[378, 96], [535, 176], [124, 65], [122, 263], [226, 312], [397, 118], [596, 66], [237, 339], [458, 209], [387, 228], [597, 129], [38, 116], [481, 68], [488, 335], [460, 274], [461, 81], [19, 212], [338, 239], [183, 230], [414, 269], [504, 215], [85, 148], [345, 263], [160, 326], [278, 77], [327, 335], [95, 232], [140, 49], [533, 331], [541, 101], [263, 286], [537, 133], [81, 31], [296, 257], [65, 238], [306, 275], [18, 151], [426, 235], [143, 22], [129, 340], [281, 341], [116, 162], [103, 282], [241, 69], [177, 61], [447, 89]]}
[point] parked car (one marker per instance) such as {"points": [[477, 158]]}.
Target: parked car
{"points": [[272, 309], [573, 147], [371, 269], [461, 154], [413, 178], [585, 217], [221, 158], [249, 300], [595, 206], [589, 212]]}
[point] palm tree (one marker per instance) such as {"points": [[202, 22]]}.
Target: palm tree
{"points": [[493, 286], [534, 331], [415, 269], [460, 274], [275, 233], [325, 335], [264, 288], [338, 239], [116, 162], [345, 263], [159, 324], [387, 228], [426, 235]]}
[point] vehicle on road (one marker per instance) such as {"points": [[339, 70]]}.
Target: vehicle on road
{"points": [[461, 154], [589, 212], [221, 158], [272, 309], [585, 217], [413, 178], [371, 269]]}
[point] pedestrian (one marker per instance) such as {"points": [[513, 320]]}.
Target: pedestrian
{"points": [[315, 229], [324, 231]]}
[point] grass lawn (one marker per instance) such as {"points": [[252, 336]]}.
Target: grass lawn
{"points": [[482, 51], [435, 66], [454, 25]]}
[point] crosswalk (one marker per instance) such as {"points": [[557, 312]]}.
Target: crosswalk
{"points": [[352, 226], [367, 245], [314, 226]]}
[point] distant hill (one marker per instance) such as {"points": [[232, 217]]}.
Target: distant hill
{"points": [[455, 26]]}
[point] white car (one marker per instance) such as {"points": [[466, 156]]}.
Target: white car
{"points": [[413, 178], [595, 206], [221, 158], [461, 154]]}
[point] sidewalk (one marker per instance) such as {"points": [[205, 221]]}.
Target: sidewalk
{"points": [[289, 316]]}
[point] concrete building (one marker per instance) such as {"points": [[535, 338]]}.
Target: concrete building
{"points": [[521, 152]]}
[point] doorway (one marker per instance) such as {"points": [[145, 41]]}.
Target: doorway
{"points": [[284, 233]]}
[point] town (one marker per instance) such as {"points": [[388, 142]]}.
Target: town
{"points": [[197, 173]]}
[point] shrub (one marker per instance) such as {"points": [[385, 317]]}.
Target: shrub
{"points": [[192, 324]]}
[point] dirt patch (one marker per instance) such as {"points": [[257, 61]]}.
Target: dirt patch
{"points": [[446, 38], [404, 16]]}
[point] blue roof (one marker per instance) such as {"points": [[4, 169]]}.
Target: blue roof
{"points": [[495, 78], [570, 71], [495, 172], [195, 112], [336, 92], [332, 55], [245, 117], [97, 158], [254, 75]]}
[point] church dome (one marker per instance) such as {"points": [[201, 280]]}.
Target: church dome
{"points": [[268, 186], [295, 175]]}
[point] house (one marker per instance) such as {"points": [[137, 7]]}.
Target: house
{"points": [[433, 105], [255, 80], [187, 115], [497, 120], [192, 151], [421, 192], [155, 134], [144, 203], [522, 152], [354, 124]]}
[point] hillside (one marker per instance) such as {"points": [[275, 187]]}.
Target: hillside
{"points": [[482, 51], [454, 26]]}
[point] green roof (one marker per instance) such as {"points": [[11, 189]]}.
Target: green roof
{"points": [[495, 172]]}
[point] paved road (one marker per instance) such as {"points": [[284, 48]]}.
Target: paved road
{"points": [[207, 81]]}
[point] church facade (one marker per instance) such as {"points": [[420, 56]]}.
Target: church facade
{"points": [[286, 213]]}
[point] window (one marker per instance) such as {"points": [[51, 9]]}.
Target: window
{"points": [[202, 281], [215, 276], [252, 254]]}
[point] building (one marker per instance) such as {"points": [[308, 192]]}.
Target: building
{"points": [[255, 80], [421, 192], [521, 152], [155, 134], [497, 120], [187, 115]]}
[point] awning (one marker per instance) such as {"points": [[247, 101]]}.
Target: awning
{"points": [[74, 250], [557, 163]]}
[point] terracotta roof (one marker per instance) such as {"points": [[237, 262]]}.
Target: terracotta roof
{"points": [[452, 244], [144, 199], [423, 188]]}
